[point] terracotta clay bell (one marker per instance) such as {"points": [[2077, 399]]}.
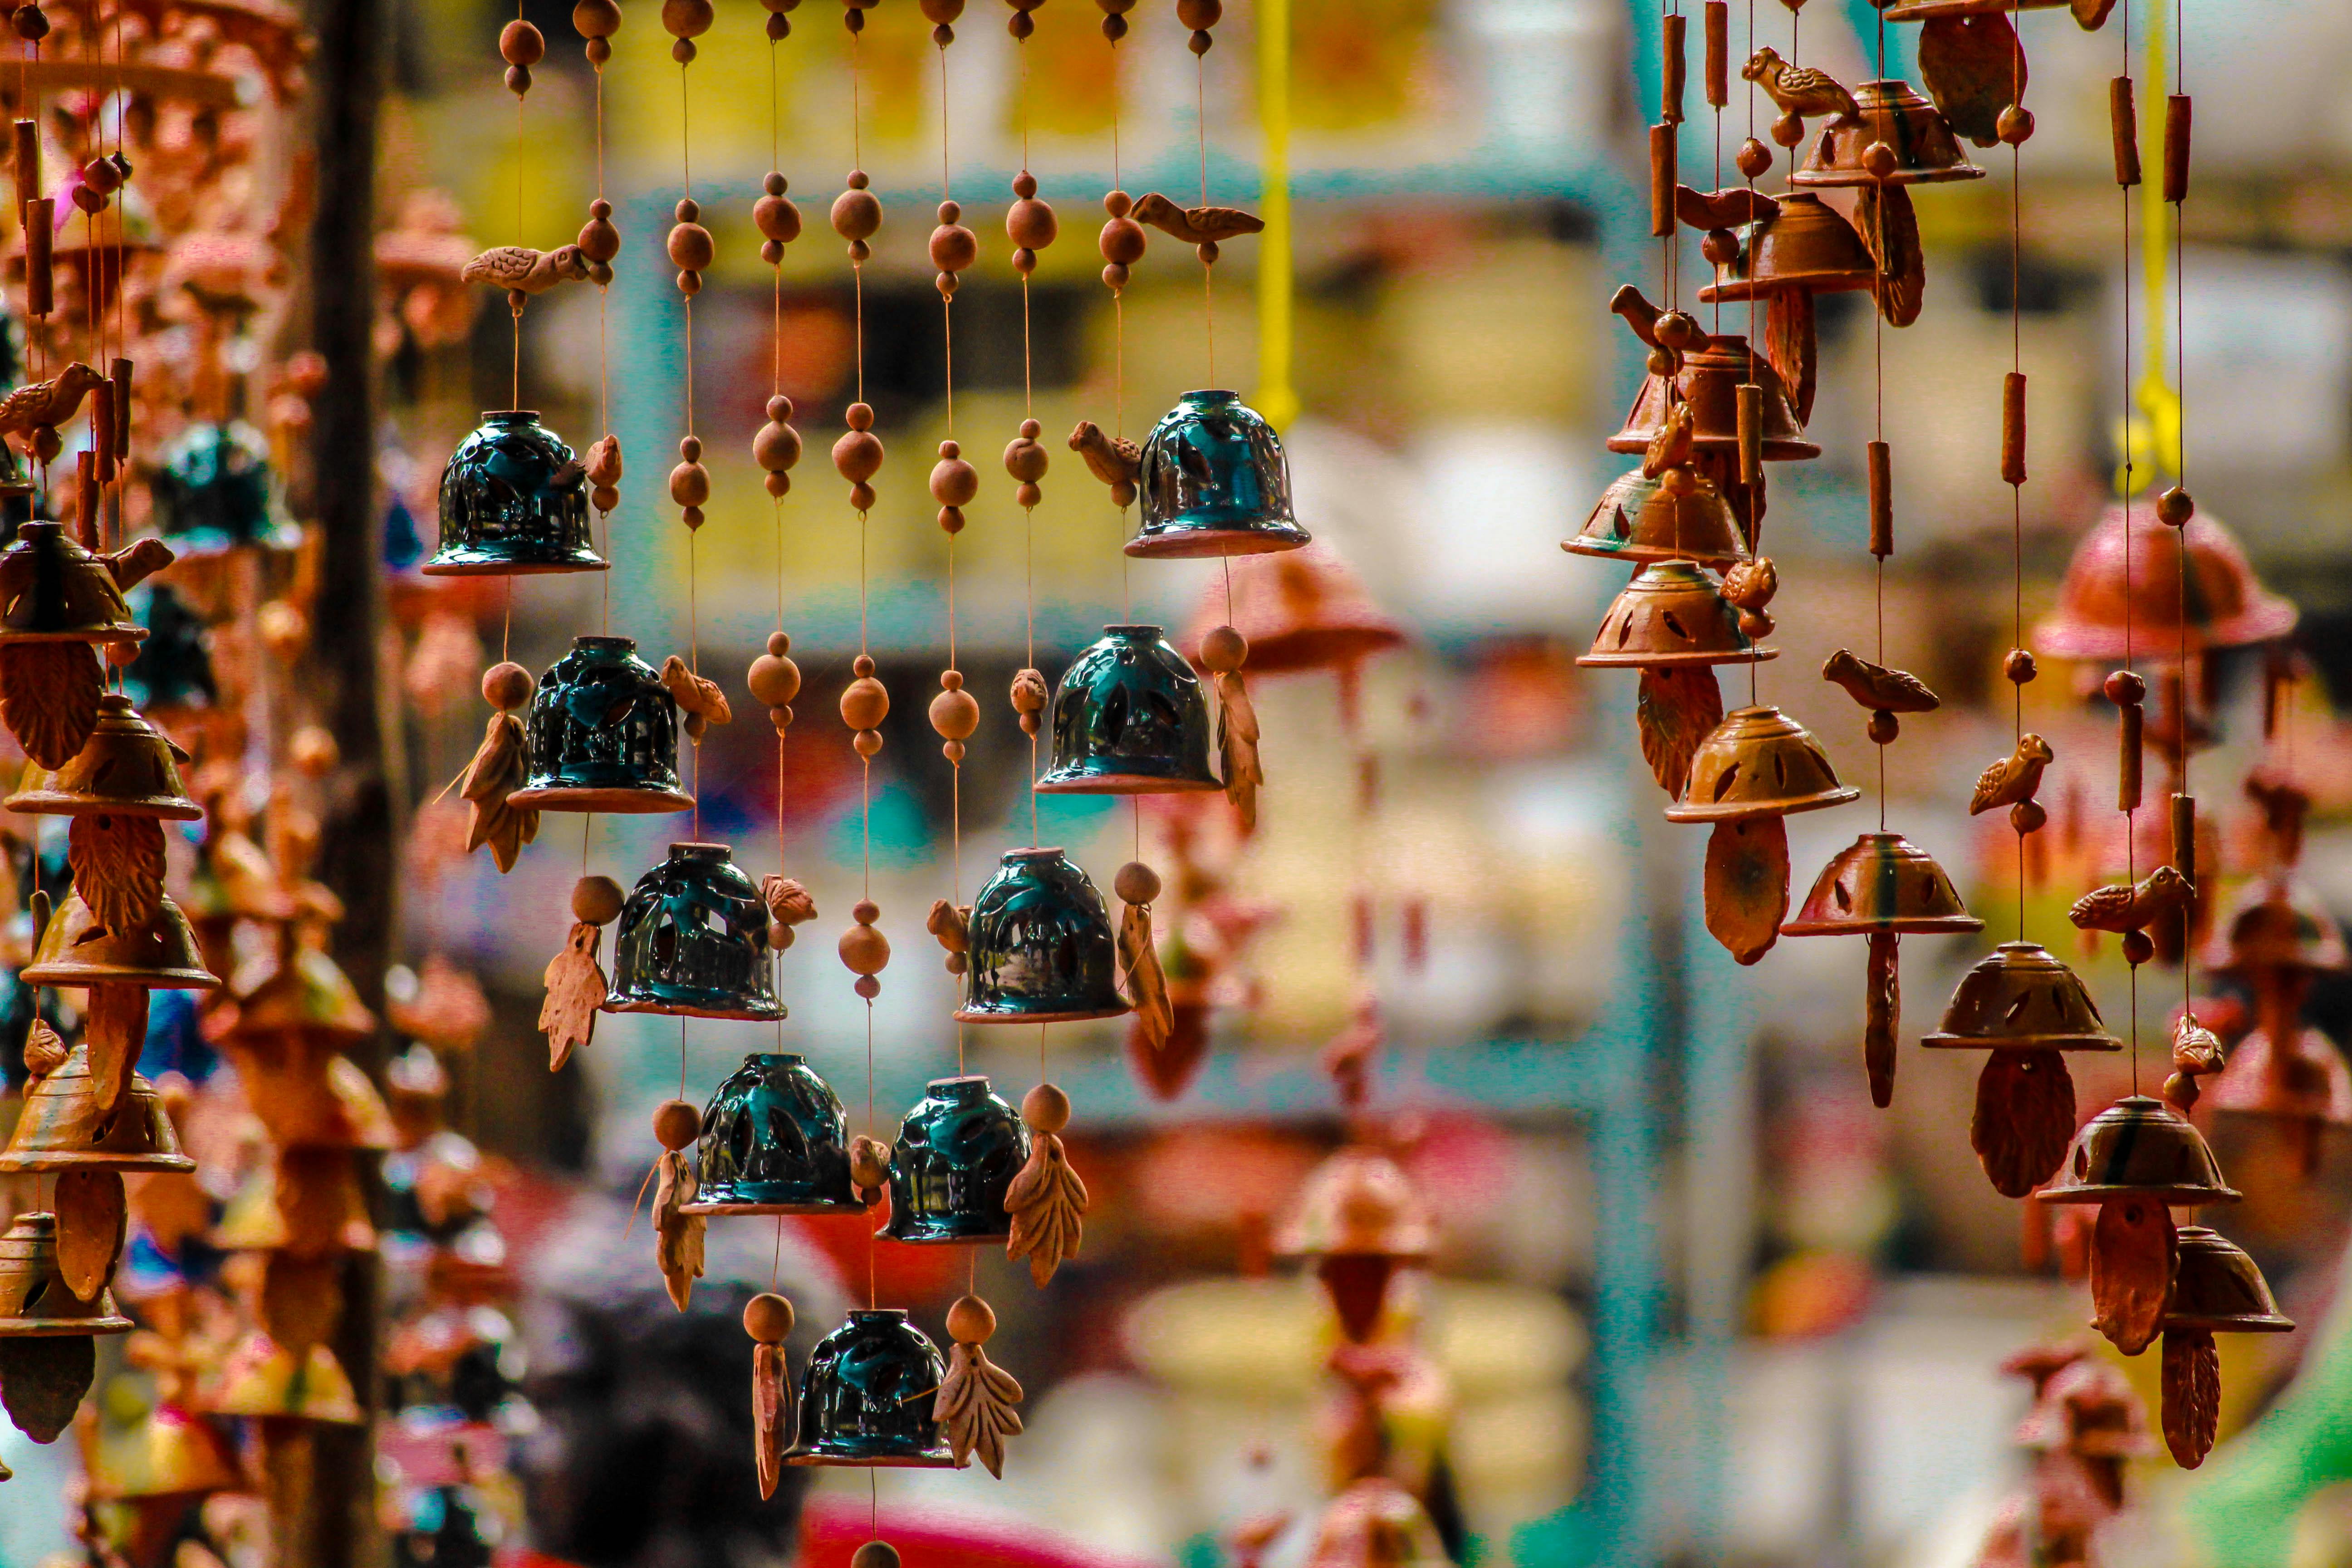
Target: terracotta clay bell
{"points": [[160, 955], [127, 768], [2019, 997], [1041, 947], [1129, 717], [2276, 925], [1304, 609], [2227, 604], [2139, 1147], [61, 1127], [514, 501], [693, 942], [2217, 1288], [1359, 1219], [1758, 763], [957, 1154], [1881, 882], [1639, 518], [602, 736], [866, 1396], [1709, 381], [1925, 149], [34, 1300], [1672, 612], [1806, 245], [774, 1141], [1214, 481], [53, 590]]}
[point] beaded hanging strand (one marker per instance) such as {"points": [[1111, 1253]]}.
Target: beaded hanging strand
{"points": [[2125, 687], [600, 242], [1029, 223], [36, 213], [2014, 125], [521, 46], [2174, 508]]}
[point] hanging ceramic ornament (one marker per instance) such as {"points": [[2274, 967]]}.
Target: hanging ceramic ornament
{"points": [[58, 599], [693, 941], [62, 1127], [2226, 603], [1146, 985], [491, 780], [866, 1396], [1039, 945], [974, 1407], [1046, 1201], [1644, 518], [958, 1152], [514, 498], [1673, 613], [1359, 1220], [1801, 249], [47, 1355], [602, 735], [768, 1319], [1213, 481], [773, 1141], [2026, 1007], [2215, 1289], [679, 1233], [1755, 768], [1703, 371], [1130, 718], [576, 986]]}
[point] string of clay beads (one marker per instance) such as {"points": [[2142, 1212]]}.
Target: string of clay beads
{"points": [[596, 21], [1122, 240], [865, 951], [1024, 459], [774, 681], [953, 248], [1029, 223], [857, 455], [954, 482], [779, 28], [1200, 16], [775, 216], [777, 447], [865, 703], [1029, 695], [857, 214], [521, 46], [955, 714], [690, 481]]}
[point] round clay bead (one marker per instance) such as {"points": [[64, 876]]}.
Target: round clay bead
{"points": [[954, 482], [777, 447], [779, 643], [685, 18], [505, 685], [1753, 158], [1721, 246], [857, 211], [1122, 242], [970, 1321], [768, 1317], [2174, 508], [1200, 15], [690, 248], [857, 455], [1878, 159], [676, 1123], [2138, 948], [954, 246], [874, 1553], [2125, 687], [865, 703], [596, 18], [774, 681], [865, 951], [955, 715], [1031, 225], [780, 936], [1224, 650], [1045, 1109], [2018, 666], [2015, 124], [518, 83], [1136, 883], [520, 44], [597, 901], [1884, 727], [2027, 817], [690, 484]]}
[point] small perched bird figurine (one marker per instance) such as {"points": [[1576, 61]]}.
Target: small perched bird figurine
{"points": [[1671, 446], [1799, 90], [1114, 459], [704, 703], [521, 270], [2196, 1053], [1750, 584], [1880, 687], [1201, 226], [2014, 778], [1725, 208], [38, 408], [2125, 906]]}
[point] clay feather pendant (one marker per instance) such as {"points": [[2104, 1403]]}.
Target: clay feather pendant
{"points": [[1889, 228], [48, 698], [1237, 747], [1675, 708], [1973, 69], [1792, 346], [114, 1026], [1882, 1016], [974, 1407], [91, 1218], [2133, 1251], [575, 989], [118, 868], [2024, 1119], [43, 1379], [1146, 986], [2193, 1394], [496, 771], [1747, 884], [1048, 1205], [771, 1414], [678, 1237]]}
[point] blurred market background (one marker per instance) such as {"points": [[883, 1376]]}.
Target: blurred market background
{"points": [[1694, 1300]]}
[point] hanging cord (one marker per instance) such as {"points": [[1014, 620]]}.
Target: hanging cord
{"points": [[2016, 474], [2131, 812]]}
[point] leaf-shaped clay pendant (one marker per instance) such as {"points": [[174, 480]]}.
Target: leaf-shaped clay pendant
{"points": [[2133, 1251], [118, 868], [48, 698], [1674, 708], [575, 989], [43, 1379], [1882, 1016], [1048, 1205], [1747, 884], [2024, 1119], [2193, 1394], [91, 1218]]}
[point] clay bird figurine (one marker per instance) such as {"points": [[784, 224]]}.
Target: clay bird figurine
{"points": [[2014, 778], [1750, 584], [1722, 209], [2196, 1053], [1880, 687], [138, 560], [1671, 446], [704, 703], [1113, 459], [1201, 226], [788, 902], [38, 408], [1799, 90], [520, 270], [2125, 906]]}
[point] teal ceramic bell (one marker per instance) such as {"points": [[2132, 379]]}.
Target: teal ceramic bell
{"points": [[1214, 482], [958, 1152], [693, 941], [866, 1396], [174, 670], [213, 490], [603, 735], [514, 500], [1130, 718], [1041, 949], [774, 1141]]}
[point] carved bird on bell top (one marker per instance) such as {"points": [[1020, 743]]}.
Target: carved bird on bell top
{"points": [[1799, 90]]}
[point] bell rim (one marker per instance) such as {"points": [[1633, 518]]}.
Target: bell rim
{"points": [[2172, 1195], [941, 1460], [1775, 451], [1924, 10], [43, 1161], [1835, 178], [1643, 554], [618, 800], [109, 1322], [1823, 280], [1908, 925], [673, 1010], [1175, 541], [725, 1206], [1674, 660], [1732, 811], [1069, 781], [104, 632], [1943, 1041], [460, 567], [69, 974], [2253, 1323], [962, 1239], [61, 803], [969, 1016]]}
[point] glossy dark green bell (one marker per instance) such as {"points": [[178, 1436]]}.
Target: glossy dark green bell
{"points": [[213, 490], [693, 941], [866, 1395], [1130, 718], [958, 1152], [603, 735], [1041, 946], [1214, 482], [174, 670], [774, 1141], [514, 500]]}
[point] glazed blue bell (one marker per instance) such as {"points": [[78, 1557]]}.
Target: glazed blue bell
{"points": [[866, 1398], [1040, 947], [213, 489], [957, 1154], [774, 1141], [514, 500], [1214, 482], [693, 941], [603, 735], [1130, 718], [174, 670]]}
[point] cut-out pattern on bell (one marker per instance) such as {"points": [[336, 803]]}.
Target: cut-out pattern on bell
{"points": [[1758, 763], [1129, 717], [1637, 519], [2278, 924], [1806, 245], [1709, 381], [1041, 949], [2228, 606], [514, 500], [1306, 609], [2139, 1147], [958, 1152], [603, 735], [34, 1300], [693, 941], [160, 955], [212, 489], [1672, 612], [1214, 482], [2217, 1288], [52, 590], [1881, 881], [127, 767], [61, 1127], [1926, 151], [865, 1397], [2019, 997], [774, 1141]]}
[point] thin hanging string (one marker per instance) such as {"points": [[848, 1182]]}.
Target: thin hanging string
{"points": [[604, 349], [1200, 138], [1028, 513], [2131, 816], [515, 397], [693, 584], [865, 763], [2181, 478], [2017, 368], [1753, 306], [1878, 430], [1119, 359], [947, 334]]}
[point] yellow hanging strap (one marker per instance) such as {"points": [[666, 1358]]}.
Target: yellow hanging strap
{"points": [[1275, 398]]}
